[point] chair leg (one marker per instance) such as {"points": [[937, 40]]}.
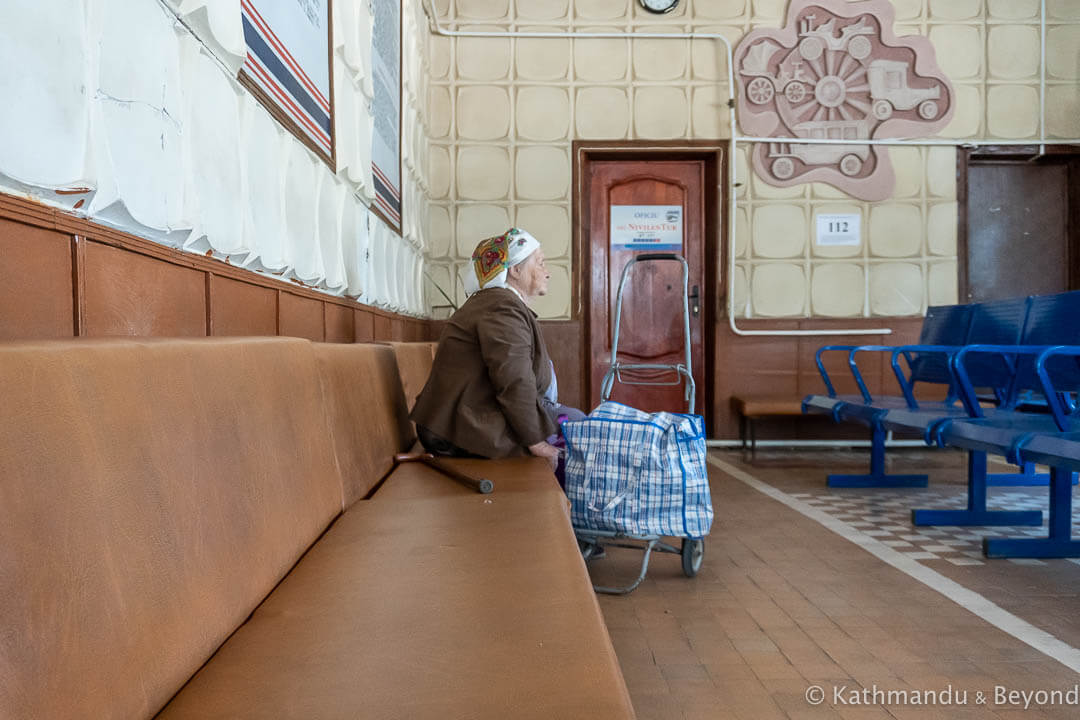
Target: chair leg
{"points": [[1027, 477], [1058, 543], [976, 512], [877, 477], [753, 439]]}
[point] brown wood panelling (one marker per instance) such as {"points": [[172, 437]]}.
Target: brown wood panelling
{"points": [[783, 366], [36, 298], [132, 294], [300, 317], [418, 330], [240, 308], [62, 294], [339, 324], [750, 365], [382, 328], [564, 344]]}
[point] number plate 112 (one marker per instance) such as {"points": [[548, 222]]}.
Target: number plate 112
{"points": [[838, 229]]}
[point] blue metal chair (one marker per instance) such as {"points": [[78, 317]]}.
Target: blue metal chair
{"points": [[1052, 437], [1004, 323], [943, 326]]}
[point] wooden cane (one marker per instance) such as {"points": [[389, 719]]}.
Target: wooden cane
{"points": [[480, 485]]}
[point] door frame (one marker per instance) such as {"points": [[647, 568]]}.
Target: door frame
{"points": [[1009, 154], [714, 155]]}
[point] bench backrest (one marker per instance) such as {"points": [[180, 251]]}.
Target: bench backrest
{"points": [[414, 361], [367, 412], [999, 322], [1052, 320], [943, 325], [152, 493]]}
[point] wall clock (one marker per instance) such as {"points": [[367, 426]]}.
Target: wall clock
{"points": [[659, 6]]}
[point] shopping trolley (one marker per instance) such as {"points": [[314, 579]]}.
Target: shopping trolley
{"points": [[615, 503]]}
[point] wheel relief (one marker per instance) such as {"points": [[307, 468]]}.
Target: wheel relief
{"points": [[836, 72]]}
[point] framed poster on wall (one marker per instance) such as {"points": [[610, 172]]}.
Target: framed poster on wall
{"points": [[288, 67], [386, 109]]}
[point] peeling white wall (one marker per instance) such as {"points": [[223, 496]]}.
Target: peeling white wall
{"points": [[134, 104]]}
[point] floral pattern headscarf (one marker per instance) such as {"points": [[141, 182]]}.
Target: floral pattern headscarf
{"points": [[494, 256]]}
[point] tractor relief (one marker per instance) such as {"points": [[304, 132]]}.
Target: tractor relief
{"points": [[836, 72]]}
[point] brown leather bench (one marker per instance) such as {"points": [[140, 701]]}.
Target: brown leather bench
{"points": [[181, 535], [414, 363]]}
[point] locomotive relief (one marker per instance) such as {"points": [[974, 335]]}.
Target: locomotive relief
{"points": [[836, 72]]}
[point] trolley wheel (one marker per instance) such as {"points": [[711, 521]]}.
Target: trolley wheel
{"points": [[693, 553], [928, 110]]}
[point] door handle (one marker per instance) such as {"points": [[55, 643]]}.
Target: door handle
{"points": [[695, 301]]}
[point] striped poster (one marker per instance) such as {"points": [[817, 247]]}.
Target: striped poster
{"points": [[288, 59], [386, 107]]}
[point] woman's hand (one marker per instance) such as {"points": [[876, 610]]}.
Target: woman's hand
{"points": [[548, 451]]}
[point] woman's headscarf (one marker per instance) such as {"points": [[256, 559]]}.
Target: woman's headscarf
{"points": [[494, 256]]}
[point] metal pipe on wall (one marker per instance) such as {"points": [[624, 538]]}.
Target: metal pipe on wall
{"points": [[815, 444]]}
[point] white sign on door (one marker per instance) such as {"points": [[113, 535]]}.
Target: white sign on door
{"points": [[838, 229], [647, 227]]}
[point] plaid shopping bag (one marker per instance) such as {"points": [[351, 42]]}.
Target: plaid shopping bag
{"points": [[637, 473]]}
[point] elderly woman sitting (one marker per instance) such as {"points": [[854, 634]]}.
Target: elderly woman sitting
{"points": [[491, 392]]}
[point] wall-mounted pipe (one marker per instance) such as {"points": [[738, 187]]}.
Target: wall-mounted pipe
{"points": [[816, 444], [1042, 77], [437, 29]]}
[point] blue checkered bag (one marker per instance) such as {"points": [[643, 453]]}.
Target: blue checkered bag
{"points": [[637, 473]]}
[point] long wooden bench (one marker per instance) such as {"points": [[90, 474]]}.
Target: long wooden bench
{"points": [[183, 534], [750, 409]]}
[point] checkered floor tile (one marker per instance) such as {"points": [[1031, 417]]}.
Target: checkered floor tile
{"points": [[885, 515]]}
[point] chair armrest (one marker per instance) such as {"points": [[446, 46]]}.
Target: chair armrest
{"points": [[905, 383], [963, 376], [1054, 397], [821, 367], [853, 365]]}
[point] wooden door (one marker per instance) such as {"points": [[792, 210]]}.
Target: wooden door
{"points": [[1019, 241], [651, 328]]}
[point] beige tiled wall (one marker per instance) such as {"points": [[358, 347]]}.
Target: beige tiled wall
{"points": [[504, 112]]}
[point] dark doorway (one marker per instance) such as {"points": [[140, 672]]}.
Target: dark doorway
{"points": [[1018, 222]]}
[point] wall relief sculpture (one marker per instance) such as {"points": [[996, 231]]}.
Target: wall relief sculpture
{"points": [[836, 71]]}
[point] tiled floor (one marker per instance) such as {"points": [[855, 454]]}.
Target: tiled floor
{"points": [[784, 605], [885, 516]]}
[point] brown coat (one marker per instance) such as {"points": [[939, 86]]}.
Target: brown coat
{"points": [[489, 375]]}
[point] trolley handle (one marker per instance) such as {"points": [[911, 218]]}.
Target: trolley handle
{"points": [[656, 256]]}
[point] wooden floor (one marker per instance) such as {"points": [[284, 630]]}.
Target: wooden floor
{"points": [[784, 606]]}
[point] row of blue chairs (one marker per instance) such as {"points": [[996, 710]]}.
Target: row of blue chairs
{"points": [[1009, 371]]}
